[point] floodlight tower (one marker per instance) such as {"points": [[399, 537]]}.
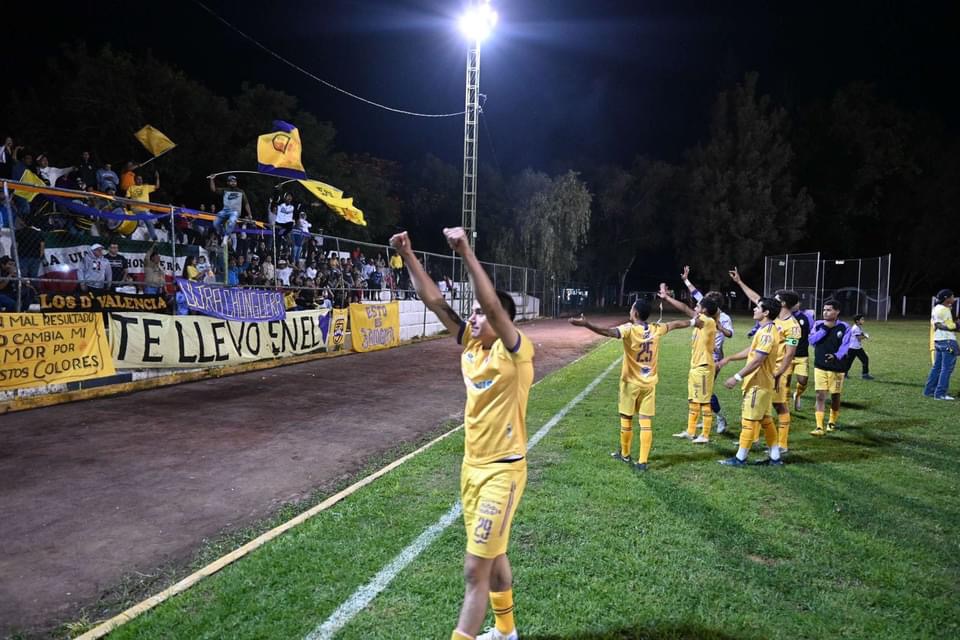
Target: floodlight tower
{"points": [[476, 24]]}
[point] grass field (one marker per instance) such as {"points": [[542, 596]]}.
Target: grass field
{"points": [[855, 537]]}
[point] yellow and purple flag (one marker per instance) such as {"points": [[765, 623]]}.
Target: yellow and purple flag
{"points": [[154, 141], [28, 177], [278, 153]]}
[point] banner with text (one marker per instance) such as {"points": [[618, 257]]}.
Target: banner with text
{"points": [[338, 328], [233, 303], [96, 301], [374, 326], [147, 340], [48, 348]]}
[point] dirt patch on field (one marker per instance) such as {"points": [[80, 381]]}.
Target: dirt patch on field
{"points": [[94, 491]]}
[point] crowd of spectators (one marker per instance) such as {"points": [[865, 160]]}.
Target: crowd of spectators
{"points": [[294, 259]]}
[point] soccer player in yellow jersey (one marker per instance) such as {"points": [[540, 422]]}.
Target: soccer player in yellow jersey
{"points": [[702, 366], [757, 382], [638, 375], [790, 332], [497, 367]]}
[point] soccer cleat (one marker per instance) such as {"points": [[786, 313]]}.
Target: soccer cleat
{"points": [[734, 462], [721, 423], [640, 466], [616, 456], [831, 427], [684, 435], [945, 398], [493, 634], [867, 376], [818, 432], [769, 462], [701, 440]]}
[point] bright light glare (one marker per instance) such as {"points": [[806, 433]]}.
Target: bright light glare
{"points": [[478, 22]]}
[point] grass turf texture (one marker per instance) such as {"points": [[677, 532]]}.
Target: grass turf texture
{"points": [[857, 536]]}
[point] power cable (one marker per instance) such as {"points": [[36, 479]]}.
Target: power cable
{"points": [[321, 80]]}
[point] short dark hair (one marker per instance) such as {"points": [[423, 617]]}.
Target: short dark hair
{"points": [[943, 294], [830, 302], [506, 301], [709, 306], [788, 297], [717, 297], [642, 308], [771, 306], [858, 317]]}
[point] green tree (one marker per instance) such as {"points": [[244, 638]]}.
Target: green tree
{"points": [[741, 200]]}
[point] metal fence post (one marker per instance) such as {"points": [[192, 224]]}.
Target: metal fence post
{"points": [[173, 248]]}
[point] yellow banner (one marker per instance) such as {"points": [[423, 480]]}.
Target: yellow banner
{"points": [[154, 141], [29, 177], [333, 198], [374, 326], [338, 329], [49, 348]]}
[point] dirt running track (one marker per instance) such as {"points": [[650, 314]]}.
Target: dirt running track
{"points": [[93, 491]]}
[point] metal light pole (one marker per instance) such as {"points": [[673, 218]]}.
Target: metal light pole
{"points": [[476, 24]]}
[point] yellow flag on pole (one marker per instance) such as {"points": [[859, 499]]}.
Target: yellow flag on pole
{"points": [[278, 152], [154, 141], [333, 198], [30, 178]]}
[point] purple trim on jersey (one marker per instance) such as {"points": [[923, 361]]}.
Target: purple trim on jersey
{"points": [[763, 352], [516, 347], [696, 294], [845, 343], [463, 327], [819, 333]]}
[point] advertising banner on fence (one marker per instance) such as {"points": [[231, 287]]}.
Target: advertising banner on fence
{"points": [[96, 301], [47, 348], [375, 326], [233, 303], [64, 252], [338, 328], [147, 340]]}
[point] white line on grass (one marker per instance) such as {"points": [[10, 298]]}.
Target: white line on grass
{"points": [[366, 593]]}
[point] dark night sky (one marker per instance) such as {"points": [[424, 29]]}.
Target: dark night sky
{"points": [[566, 80]]}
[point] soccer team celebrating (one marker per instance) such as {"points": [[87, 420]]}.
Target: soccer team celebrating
{"points": [[497, 366]]}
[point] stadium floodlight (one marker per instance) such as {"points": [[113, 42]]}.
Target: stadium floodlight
{"points": [[478, 21]]}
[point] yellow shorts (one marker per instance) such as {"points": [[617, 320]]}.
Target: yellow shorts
{"points": [[490, 494], [829, 381], [637, 398], [800, 367], [781, 393], [700, 384], [756, 403]]}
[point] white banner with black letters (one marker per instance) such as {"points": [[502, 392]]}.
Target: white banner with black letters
{"points": [[147, 340]]}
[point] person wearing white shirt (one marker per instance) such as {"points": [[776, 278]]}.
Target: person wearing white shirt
{"points": [[283, 272], [944, 329]]}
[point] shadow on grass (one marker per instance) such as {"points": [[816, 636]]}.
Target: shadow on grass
{"points": [[658, 632], [897, 383]]}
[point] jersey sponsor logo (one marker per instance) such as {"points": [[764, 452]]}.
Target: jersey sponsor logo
{"points": [[482, 385], [489, 509]]}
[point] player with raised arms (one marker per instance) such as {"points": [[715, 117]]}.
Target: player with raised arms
{"points": [[497, 367]]}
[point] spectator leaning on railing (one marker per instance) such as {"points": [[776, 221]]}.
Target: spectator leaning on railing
{"points": [[154, 279]]}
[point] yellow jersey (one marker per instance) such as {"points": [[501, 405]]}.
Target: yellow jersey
{"points": [[790, 333], [701, 343], [766, 340], [498, 384], [141, 192], [641, 351]]}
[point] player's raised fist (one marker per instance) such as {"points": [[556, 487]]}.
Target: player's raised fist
{"points": [[401, 242], [456, 238], [662, 293]]}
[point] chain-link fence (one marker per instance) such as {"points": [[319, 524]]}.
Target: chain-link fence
{"points": [[860, 285], [88, 243]]}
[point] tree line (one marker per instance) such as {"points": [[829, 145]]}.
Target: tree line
{"points": [[853, 175]]}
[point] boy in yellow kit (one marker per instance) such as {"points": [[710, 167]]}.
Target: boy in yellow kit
{"points": [[638, 375], [757, 380], [497, 367], [702, 366]]}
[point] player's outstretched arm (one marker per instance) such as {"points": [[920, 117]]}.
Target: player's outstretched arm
{"points": [[692, 288], [673, 302], [609, 332], [424, 284], [486, 294], [752, 295], [752, 366]]}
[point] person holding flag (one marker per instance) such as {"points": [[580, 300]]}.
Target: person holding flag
{"points": [[233, 199]]}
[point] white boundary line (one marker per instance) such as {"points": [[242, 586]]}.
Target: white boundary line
{"points": [[366, 593]]}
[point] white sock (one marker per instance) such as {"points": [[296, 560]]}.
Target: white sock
{"points": [[775, 452], [742, 453]]}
